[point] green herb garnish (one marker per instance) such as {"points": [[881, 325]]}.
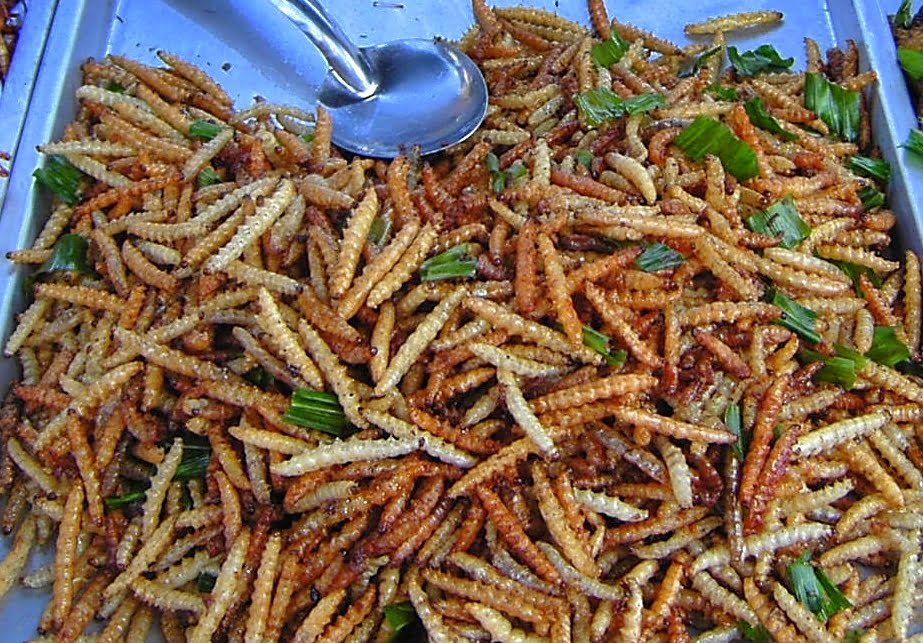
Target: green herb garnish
{"points": [[599, 342], [763, 59], [207, 177], [499, 179], [194, 463], [117, 502], [609, 52], [597, 106], [839, 369], [115, 87], [62, 178], [659, 256], [839, 108], [733, 422], [204, 129], [760, 116], [205, 583], [585, 157], [915, 142], [381, 227], [854, 271], [308, 137], [795, 317], [878, 169], [724, 93], [872, 199], [812, 587], [755, 634], [317, 410], [403, 620], [693, 67], [904, 16], [69, 255], [259, 376], [886, 348], [454, 262], [706, 135], [782, 220]]}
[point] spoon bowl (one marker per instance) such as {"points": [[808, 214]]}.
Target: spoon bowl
{"points": [[429, 95], [392, 97]]}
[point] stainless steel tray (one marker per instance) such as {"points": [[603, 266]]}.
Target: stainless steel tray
{"points": [[17, 87], [251, 50]]}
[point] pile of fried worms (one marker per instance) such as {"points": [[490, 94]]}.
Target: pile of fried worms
{"points": [[581, 378]]}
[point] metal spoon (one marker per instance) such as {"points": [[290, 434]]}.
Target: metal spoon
{"points": [[391, 97]]}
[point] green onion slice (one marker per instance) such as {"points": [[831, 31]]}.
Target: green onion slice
{"points": [[904, 16], [207, 177], [732, 420]]}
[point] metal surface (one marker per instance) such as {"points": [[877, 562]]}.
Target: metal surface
{"points": [[16, 89], [251, 49], [389, 97], [348, 64]]}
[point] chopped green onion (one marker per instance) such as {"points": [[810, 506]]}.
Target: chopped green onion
{"points": [[915, 142], [493, 162], [518, 170], [597, 106], [812, 587], [205, 583], [208, 176], [878, 169], [782, 220], [585, 157], [692, 68], [260, 377], [609, 52], [599, 342], [454, 262], [763, 59], [115, 87], [724, 93], [886, 348], [381, 227], [872, 199], [317, 410], [204, 129], [62, 178], [904, 16], [760, 116], [116, 502], [707, 135], [755, 634], [308, 138], [732, 420], [659, 256], [839, 108], [795, 316]]}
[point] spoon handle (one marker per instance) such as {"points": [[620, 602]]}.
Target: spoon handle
{"points": [[350, 66]]}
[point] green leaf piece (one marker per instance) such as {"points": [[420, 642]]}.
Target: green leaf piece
{"points": [[706, 135], [839, 108], [782, 220]]}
